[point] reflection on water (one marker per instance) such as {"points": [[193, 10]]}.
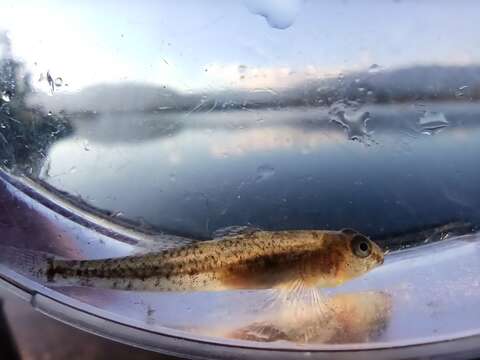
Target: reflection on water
{"points": [[365, 150], [344, 318], [199, 173]]}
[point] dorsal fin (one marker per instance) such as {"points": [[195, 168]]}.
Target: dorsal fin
{"points": [[162, 242], [234, 231]]}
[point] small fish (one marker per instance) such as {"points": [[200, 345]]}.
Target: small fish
{"points": [[248, 260]]}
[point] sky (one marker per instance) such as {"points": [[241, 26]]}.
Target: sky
{"points": [[210, 45]]}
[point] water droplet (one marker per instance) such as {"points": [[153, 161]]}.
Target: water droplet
{"points": [[350, 116], [6, 96], [49, 113], [264, 172], [280, 14], [50, 81], [73, 170], [265, 90], [117, 214], [460, 91], [58, 81], [374, 68], [432, 122], [150, 311], [86, 145], [173, 177]]}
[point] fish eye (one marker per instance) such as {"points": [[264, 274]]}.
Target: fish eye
{"points": [[361, 246]]}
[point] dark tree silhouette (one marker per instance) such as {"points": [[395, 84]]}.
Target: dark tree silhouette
{"points": [[26, 132]]}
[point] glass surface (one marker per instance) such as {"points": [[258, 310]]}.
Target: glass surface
{"points": [[128, 126]]}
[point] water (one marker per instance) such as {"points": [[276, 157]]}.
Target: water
{"points": [[296, 161]]}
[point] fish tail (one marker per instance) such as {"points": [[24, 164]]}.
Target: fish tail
{"points": [[27, 262], [71, 268], [50, 269], [66, 272]]}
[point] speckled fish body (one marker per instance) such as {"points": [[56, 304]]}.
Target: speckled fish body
{"points": [[255, 260]]}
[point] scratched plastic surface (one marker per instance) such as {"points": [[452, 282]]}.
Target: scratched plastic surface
{"points": [[179, 119]]}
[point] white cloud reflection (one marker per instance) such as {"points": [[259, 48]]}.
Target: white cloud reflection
{"points": [[273, 138]]}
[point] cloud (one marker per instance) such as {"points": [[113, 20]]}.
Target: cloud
{"points": [[242, 76]]}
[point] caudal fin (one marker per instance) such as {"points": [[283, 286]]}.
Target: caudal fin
{"points": [[27, 262]]}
